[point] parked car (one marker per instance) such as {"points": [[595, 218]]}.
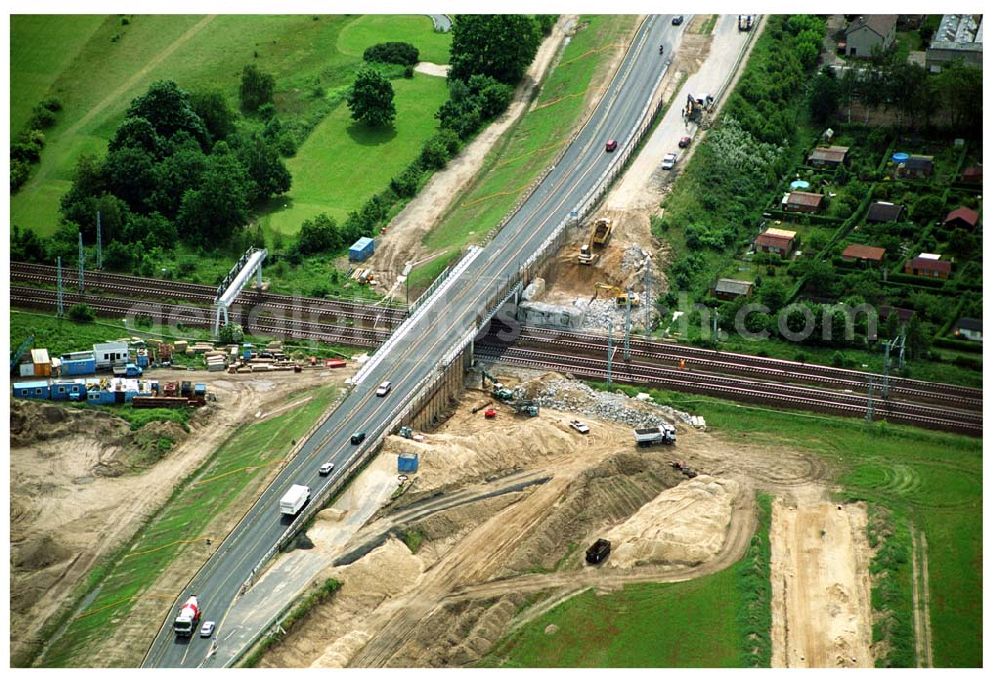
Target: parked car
{"points": [[383, 389], [677, 20], [326, 468], [611, 145], [685, 141], [358, 437], [207, 629], [668, 161], [579, 426]]}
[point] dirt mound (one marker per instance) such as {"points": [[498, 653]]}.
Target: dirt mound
{"points": [[38, 552], [449, 458], [32, 422], [685, 524], [367, 577]]}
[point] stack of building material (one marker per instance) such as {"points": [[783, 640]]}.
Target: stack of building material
{"points": [[180, 346], [215, 361]]}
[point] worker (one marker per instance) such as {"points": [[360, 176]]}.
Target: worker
{"points": [[680, 364], [661, 49]]}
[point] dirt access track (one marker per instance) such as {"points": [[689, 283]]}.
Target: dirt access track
{"points": [[503, 510], [76, 495]]}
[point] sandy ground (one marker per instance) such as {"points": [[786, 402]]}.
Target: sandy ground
{"points": [[432, 69], [62, 494], [403, 240], [484, 555], [820, 585]]}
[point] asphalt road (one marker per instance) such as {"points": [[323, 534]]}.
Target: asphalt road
{"points": [[218, 583]]}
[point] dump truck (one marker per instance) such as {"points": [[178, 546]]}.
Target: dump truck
{"points": [[600, 235], [598, 551], [293, 501], [662, 434], [187, 619]]}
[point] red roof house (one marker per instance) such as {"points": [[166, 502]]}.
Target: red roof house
{"points": [[962, 217], [861, 252], [928, 267]]}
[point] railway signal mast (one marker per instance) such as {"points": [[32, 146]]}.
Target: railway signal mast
{"points": [[79, 261], [897, 342]]}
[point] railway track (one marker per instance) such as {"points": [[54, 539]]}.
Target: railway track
{"points": [[740, 389], [962, 397], [733, 376], [200, 317], [166, 289]]}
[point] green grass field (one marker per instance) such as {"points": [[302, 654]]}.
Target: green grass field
{"points": [[418, 30], [103, 64], [343, 163], [699, 623], [932, 479], [237, 468], [530, 145]]}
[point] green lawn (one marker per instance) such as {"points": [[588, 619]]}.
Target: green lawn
{"points": [[40, 48], [699, 623], [239, 466], [418, 30], [90, 74], [932, 479], [532, 144], [343, 163]]}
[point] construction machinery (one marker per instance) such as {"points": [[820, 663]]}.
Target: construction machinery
{"points": [[621, 296], [598, 551], [600, 235], [526, 407], [16, 356], [696, 107], [664, 433], [497, 388], [745, 22]]}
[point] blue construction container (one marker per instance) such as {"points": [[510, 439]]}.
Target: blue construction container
{"points": [[407, 463], [68, 390], [361, 249], [78, 363], [199, 389], [32, 390], [101, 397], [142, 358], [247, 351]]}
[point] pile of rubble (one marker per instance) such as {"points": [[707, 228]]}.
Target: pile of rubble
{"points": [[572, 396], [599, 312], [633, 259]]}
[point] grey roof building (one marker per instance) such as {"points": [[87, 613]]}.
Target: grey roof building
{"points": [[870, 31], [960, 36]]}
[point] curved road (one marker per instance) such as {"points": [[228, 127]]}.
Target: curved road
{"points": [[218, 583]]}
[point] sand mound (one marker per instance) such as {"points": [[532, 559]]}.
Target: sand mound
{"points": [[685, 524], [386, 571], [32, 422], [447, 458]]}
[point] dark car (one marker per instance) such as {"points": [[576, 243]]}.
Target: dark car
{"points": [[685, 141], [611, 145], [358, 438], [677, 20], [599, 551]]}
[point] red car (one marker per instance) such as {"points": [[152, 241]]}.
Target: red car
{"points": [[685, 141], [611, 145]]}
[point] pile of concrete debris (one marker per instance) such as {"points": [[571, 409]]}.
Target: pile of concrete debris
{"points": [[599, 312], [572, 396]]}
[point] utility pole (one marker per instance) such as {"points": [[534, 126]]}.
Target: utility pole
{"points": [[649, 262], [902, 347], [59, 288], [715, 326], [870, 414], [611, 349], [628, 323], [79, 260], [99, 257]]}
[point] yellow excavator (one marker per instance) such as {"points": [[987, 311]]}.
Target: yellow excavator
{"points": [[621, 296], [600, 235]]}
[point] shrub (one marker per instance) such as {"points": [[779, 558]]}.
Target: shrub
{"points": [[401, 53], [81, 313]]}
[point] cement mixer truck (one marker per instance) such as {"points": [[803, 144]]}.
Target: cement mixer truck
{"points": [[187, 618]]}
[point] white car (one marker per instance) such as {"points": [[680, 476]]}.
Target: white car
{"points": [[579, 426], [207, 629], [326, 468], [668, 161], [383, 389]]}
